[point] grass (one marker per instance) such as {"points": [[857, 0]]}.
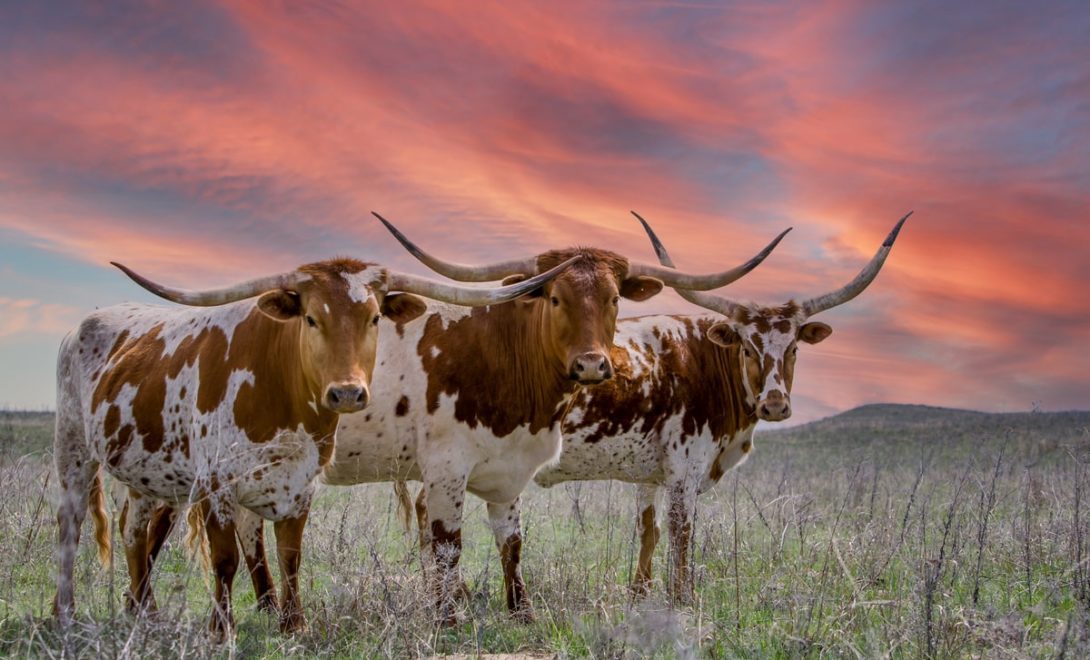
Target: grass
{"points": [[887, 531]]}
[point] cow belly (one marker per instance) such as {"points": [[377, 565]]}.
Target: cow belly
{"points": [[635, 459], [281, 478], [357, 461], [164, 476], [506, 465]]}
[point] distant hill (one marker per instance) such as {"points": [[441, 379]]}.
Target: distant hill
{"points": [[931, 420], [900, 429]]}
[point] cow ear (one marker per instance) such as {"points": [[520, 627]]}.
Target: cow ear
{"points": [[280, 305], [403, 307], [812, 333], [723, 334], [640, 288], [526, 297]]}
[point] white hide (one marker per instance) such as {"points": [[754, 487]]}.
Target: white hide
{"points": [[225, 454], [377, 445]]}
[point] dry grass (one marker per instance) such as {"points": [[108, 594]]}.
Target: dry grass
{"points": [[889, 531]]}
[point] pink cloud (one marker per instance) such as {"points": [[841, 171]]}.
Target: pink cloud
{"points": [[518, 127], [25, 316]]}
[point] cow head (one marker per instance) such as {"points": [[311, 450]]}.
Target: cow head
{"points": [[331, 310], [577, 311], [335, 310], [767, 338]]}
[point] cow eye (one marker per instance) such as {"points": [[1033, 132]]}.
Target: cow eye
{"points": [[310, 321], [616, 300], [556, 301], [378, 317], [749, 352]]}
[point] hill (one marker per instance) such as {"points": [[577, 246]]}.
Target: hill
{"points": [[899, 431]]}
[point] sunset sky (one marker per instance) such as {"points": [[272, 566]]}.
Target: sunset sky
{"points": [[203, 142]]}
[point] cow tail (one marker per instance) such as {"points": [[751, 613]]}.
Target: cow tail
{"points": [[96, 506], [195, 538], [404, 504]]}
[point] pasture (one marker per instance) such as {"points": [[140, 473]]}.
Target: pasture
{"points": [[898, 531]]}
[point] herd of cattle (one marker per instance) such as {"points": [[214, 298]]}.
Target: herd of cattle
{"points": [[233, 405]]}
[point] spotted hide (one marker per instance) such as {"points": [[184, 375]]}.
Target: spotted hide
{"points": [[233, 409], [473, 400], [682, 408], [482, 396], [227, 407]]}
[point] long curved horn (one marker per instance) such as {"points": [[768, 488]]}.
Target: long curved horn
{"points": [[861, 281], [213, 297], [471, 296], [680, 281], [463, 272], [710, 301]]}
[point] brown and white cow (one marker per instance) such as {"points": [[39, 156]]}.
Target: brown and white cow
{"points": [[473, 400], [229, 403], [687, 395]]}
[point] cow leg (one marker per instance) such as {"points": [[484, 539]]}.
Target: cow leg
{"points": [[445, 498], [250, 528], [135, 519], [504, 519], [427, 561], [647, 525], [76, 471], [223, 549], [160, 527], [289, 549], [682, 513]]}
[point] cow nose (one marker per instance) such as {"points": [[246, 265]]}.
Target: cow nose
{"points": [[591, 368], [346, 397], [774, 409]]}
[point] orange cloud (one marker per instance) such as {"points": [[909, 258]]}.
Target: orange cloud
{"points": [[239, 137]]}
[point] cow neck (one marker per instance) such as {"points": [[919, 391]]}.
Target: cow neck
{"points": [[721, 372], [493, 363], [280, 378]]}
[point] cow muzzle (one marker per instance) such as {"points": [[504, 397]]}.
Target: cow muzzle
{"points": [[346, 397], [590, 368], [774, 408]]}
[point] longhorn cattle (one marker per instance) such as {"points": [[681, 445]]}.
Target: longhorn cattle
{"points": [[225, 407], [473, 400], [682, 408]]}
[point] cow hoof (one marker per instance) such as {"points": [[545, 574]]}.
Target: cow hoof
{"points": [[523, 615], [450, 621], [640, 589], [463, 595], [61, 620], [448, 617], [682, 599], [293, 624], [220, 629], [268, 606], [148, 608]]}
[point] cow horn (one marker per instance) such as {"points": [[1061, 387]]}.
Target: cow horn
{"points": [[463, 272], [213, 297], [706, 300], [471, 296], [685, 281], [861, 281]]}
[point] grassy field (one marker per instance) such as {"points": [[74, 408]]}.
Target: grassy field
{"points": [[886, 531]]}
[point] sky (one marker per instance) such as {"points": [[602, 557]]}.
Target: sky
{"points": [[208, 142]]}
